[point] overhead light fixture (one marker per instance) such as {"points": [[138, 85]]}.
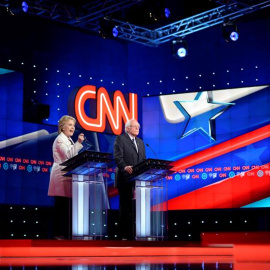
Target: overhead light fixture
{"points": [[230, 31], [179, 48], [115, 31], [16, 7], [108, 28], [167, 12], [158, 11], [24, 6]]}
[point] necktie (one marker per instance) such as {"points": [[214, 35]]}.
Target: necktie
{"points": [[133, 140]]}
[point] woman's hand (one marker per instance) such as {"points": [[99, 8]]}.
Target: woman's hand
{"points": [[81, 138]]}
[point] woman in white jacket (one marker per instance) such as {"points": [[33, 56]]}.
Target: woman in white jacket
{"points": [[61, 186]]}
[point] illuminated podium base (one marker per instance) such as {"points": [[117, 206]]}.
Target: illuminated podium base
{"points": [[89, 194], [151, 198], [89, 207], [151, 210]]}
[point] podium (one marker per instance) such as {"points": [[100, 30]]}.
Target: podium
{"points": [[151, 198], [89, 194]]}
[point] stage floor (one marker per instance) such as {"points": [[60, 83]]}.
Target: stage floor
{"points": [[215, 251]]}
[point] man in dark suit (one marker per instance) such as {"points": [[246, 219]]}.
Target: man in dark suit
{"points": [[129, 150]]}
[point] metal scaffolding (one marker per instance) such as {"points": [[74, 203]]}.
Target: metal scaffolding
{"points": [[88, 18], [189, 25]]}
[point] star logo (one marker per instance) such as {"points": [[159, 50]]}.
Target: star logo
{"points": [[254, 158], [205, 123]]}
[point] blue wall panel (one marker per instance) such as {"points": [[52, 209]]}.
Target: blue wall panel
{"points": [[51, 60]]}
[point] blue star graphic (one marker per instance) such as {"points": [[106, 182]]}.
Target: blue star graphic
{"points": [[205, 122], [253, 158]]}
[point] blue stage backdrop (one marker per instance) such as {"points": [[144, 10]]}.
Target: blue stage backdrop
{"points": [[26, 148], [218, 142], [46, 69]]}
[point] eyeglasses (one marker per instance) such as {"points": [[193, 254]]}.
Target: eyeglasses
{"points": [[138, 127]]}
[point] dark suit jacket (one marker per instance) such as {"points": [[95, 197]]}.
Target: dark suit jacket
{"points": [[125, 154]]}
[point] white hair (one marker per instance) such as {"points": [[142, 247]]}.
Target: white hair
{"points": [[129, 123]]}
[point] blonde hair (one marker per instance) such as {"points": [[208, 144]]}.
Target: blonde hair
{"points": [[62, 122]]}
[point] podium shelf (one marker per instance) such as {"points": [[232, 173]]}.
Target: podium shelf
{"points": [[150, 170], [87, 162]]}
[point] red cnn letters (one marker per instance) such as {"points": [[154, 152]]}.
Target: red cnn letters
{"points": [[114, 113]]}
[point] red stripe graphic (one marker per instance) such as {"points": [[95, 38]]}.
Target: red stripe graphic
{"points": [[229, 193], [222, 148]]}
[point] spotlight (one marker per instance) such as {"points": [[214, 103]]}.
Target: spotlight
{"points": [[115, 31], [107, 28], [179, 48], [167, 12], [230, 31], [24, 6], [158, 11], [17, 7]]}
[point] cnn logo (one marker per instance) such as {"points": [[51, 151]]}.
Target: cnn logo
{"points": [[89, 100]]}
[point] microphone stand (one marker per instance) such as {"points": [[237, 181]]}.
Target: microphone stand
{"points": [[152, 150], [90, 145]]}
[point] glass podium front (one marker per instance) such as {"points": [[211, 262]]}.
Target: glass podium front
{"points": [[89, 194], [151, 198]]}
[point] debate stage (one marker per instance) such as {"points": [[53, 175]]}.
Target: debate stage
{"points": [[240, 250]]}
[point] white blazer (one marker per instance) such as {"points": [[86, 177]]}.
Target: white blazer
{"points": [[62, 150]]}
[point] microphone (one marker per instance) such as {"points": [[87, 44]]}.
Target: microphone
{"points": [[152, 150], [90, 145]]}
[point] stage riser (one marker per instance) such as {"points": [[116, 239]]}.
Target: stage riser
{"points": [[25, 222]]}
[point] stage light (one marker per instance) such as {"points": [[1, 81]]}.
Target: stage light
{"points": [[179, 48], [24, 6], [234, 36], [230, 31], [167, 12], [115, 31], [107, 28], [159, 12], [17, 7]]}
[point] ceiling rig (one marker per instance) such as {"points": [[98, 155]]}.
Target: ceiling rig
{"points": [[88, 17]]}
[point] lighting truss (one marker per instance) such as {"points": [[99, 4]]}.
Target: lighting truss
{"points": [[88, 17], [88, 14], [189, 25]]}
